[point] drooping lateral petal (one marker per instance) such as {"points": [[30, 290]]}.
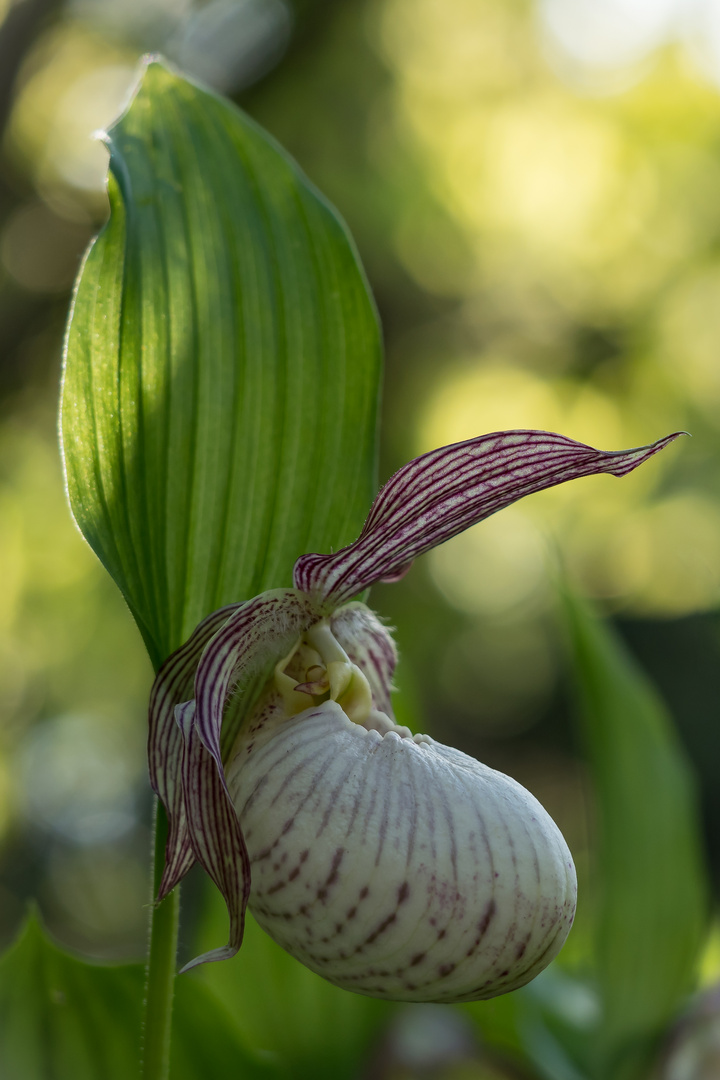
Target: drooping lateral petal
{"points": [[368, 644], [214, 831], [174, 684], [440, 494], [260, 630]]}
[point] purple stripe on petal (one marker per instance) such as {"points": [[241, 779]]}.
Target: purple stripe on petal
{"points": [[214, 831], [173, 684], [440, 494]]}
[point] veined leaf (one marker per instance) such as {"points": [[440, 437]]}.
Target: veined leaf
{"points": [[651, 886], [222, 365], [63, 1019]]}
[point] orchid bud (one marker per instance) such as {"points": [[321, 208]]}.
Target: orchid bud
{"points": [[387, 862]]}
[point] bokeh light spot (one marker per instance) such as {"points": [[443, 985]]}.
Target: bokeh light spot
{"points": [[74, 84], [495, 566]]}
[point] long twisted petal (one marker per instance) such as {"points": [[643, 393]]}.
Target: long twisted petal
{"points": [[259, 630], [440, 494], [214, 832], [173, 684]]}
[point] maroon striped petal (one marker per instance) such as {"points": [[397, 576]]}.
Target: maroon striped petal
{"points": [[214, 831], [368, 644], [260, 631], [440, 494], [257, 632], [173, 684]]}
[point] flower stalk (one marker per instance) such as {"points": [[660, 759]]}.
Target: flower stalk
{"points": [[161, 964]]}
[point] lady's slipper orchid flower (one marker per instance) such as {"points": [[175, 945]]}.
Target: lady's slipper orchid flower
{"points": [[388, 863]]}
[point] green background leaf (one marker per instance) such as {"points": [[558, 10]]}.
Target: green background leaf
{"points": [[313, 1029], [651, 904], [63, 1019], [222, 365]]}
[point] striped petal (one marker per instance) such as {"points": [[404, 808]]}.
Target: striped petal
{"points": [[440, 494], [173, 684], [214, 831], [258, 631]]}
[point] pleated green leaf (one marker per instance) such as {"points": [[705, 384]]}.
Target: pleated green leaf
{"points": [[222, 365], [650, 881], [64, 1019]]}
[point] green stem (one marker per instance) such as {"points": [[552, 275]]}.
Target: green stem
{"points": [[160, 970]]}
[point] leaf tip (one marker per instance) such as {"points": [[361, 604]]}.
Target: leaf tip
{"points": [[152, 72], [155, 66]]}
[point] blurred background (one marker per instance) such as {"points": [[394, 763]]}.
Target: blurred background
{"points": [[533, 188]]}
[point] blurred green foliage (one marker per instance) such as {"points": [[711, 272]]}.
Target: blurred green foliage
{"points": [[61, 1018], [649, 906]]}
